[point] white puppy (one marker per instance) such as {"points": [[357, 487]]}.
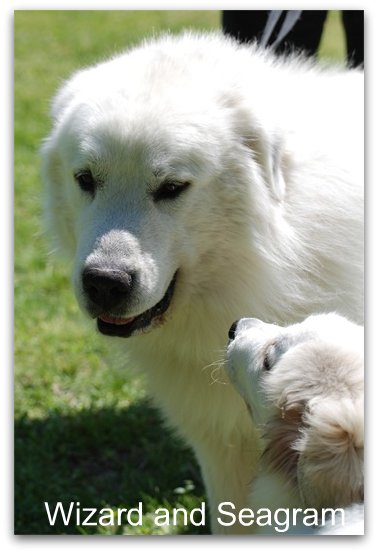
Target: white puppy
{"points": [[304, 385], [192, 181]]}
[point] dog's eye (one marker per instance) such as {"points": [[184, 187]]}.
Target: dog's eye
{"points": [[269, 358], [86, 181], [266, 363], [169, 190]]}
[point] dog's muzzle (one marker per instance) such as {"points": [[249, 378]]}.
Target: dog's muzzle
{"points": [[107, 289], [232, 331], [109, 292]]}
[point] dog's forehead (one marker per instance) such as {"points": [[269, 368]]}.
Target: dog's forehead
{"points": [[254, 337], [251, 339], [138, 141], [256, 327]]}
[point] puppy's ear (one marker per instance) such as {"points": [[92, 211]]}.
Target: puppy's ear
{"points": [[281, 433], [331, 452]]}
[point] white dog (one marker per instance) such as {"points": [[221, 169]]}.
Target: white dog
{"points": [[304, 384], [182, 175]]}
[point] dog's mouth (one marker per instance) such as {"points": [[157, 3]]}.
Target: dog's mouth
{"points": [[146, 321]]}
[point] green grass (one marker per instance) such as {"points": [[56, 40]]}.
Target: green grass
{"points": [[84, 429], [332, 45]]}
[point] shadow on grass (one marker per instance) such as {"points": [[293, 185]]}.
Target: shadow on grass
{"points": [[100, 458]]}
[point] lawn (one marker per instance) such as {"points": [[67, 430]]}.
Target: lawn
{"points": [[84, 429]]}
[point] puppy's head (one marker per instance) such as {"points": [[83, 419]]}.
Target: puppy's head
{"points": [[304, 384]]}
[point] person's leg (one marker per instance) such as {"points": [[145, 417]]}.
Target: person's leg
{"points": [[353, 21], [306, 33], [244, 25]]}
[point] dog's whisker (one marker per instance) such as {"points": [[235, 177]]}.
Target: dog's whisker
{"points": [[214, 364], [215, 379], [216, 371], [218, 362]]}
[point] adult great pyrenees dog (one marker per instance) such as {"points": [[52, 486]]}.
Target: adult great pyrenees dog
{"points": [[194, 181]]}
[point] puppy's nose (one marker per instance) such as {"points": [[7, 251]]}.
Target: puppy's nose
{"points": [[232, 331], [107, 288]]}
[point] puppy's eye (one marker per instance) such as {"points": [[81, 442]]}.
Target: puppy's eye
{"points": [[85, 180], [170, 190], [269, 358], [266, 363]]}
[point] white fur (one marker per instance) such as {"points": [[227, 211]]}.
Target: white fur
{"points": [[270, 226], [304, 384]]}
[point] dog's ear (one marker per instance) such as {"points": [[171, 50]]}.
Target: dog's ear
{"points": [[58, 219], [331, 452], [281, 433], [268, 153], [70, 92], [265, 145]]}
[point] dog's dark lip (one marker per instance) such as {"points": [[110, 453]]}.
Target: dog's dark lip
{"points": [[141, 323]]}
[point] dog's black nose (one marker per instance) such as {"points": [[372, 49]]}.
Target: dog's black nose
{"points": [[106, 288], [232, 331]]}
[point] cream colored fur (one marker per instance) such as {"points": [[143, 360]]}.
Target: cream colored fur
{"points": [[304, 384], [271, 225]]}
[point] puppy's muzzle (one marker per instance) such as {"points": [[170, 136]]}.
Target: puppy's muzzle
{"points": [[107, 289]]}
